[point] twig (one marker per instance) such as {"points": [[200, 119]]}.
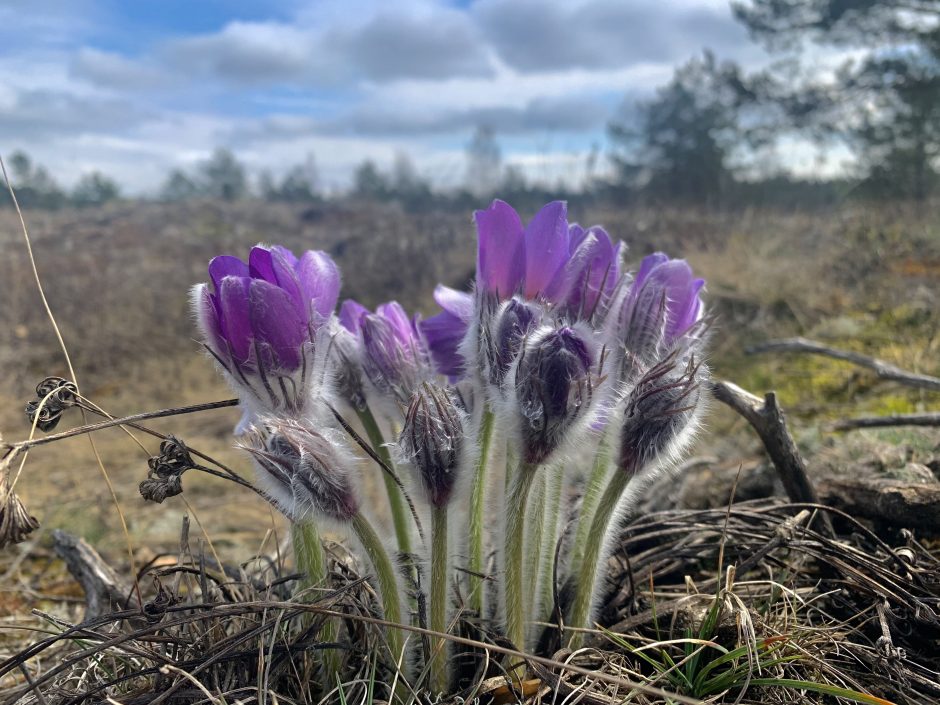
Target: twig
{"points": [[103, 588], [927, 419], [767, 418], [883, 369]]}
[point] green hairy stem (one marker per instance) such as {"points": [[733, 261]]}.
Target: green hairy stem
{"points": [[532, 544], [587, 575], [592, 495], [400, 515], [386, 580], [513, 554], [550, 521], [477, 507], [310, 559], [439, 564]]}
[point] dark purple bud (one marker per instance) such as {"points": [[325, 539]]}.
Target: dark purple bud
{"points": [[303, 472], [554, 386], [431, 440], [660, 412], [505, 335]]}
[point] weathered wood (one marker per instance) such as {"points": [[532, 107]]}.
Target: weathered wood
{"points": [[767, 418], [928, 419], [104, 591], [884, 370], [905, 504]]}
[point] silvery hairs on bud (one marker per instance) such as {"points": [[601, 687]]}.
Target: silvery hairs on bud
{"points": [[661, 413], [432, 440], [556, 377], [303, 472], [345, 363]]}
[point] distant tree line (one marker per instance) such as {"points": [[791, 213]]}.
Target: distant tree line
{"points": [[716, 135]]}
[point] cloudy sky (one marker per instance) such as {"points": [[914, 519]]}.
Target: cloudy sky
{"points": [[134, 88]]}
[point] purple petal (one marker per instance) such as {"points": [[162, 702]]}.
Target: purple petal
{"points": [[589, 274], [646, 266], [350, 315], [458, 303], [575, 235], [546, 247], [225, 266], [443, 334], [275, 321], [320, 281], [402, 326], [206, 308], [260, 265], [235, 325], [500, 249], [285, 276]]}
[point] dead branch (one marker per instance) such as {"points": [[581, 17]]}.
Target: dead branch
{"points": [[906, 504], [767, 418], [104, 590], [928, 419], [883, 369]]}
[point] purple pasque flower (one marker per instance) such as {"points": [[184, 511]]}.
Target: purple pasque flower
{"points": [[302, 471], [261, 321], [548, 259], [555, 381], [662, 305], [393, 355], [563, 270]]}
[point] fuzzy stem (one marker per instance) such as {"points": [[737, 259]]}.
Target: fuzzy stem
{"points": [[396, 503], [477, 507], [532, 547], [310, 559], [438, 665], [385, 577], [586, 584], [592, 494], [549, 539], [513, 554]]}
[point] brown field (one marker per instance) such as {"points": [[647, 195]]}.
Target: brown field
{"points": [[117, 280]]}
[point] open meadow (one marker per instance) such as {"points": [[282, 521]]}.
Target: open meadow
{"points": [[117, 278]]}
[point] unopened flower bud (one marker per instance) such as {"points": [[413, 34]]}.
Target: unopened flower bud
{"points": [[431, 440], [303, 472], [347, 368], [510, 325], [554, 386], [660, 412]]}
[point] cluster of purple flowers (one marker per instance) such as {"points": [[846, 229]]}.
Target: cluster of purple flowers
{"points": [[556, 349]]}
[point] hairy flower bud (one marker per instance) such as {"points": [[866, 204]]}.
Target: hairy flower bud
{"points": [[431, 440], [302, 471], [660, 412], [661, 306], [554, 386], [505, 335], [394, 357], [346, 366]]}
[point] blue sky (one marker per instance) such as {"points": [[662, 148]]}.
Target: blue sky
{"points": [[137, 87]]}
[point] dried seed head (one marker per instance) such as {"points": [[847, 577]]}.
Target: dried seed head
{"points": [[431, 440], [54, 396], [165, 476], [659, 411], [15, 522], [302, 471], [554, 385]]}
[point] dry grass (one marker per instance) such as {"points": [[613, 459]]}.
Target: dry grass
{"points": [[117, 279]]}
